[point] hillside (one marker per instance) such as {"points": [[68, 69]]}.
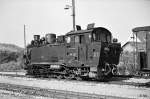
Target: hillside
{"points": [[10, 57], [10, 47]]}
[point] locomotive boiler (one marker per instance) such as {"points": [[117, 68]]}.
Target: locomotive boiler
{"points": [[89, 53]]}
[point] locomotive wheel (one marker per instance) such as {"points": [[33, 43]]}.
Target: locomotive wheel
{"points": [[78, 78], [72, 76], [100, 75], [67, 77], [29, 71], [114, 70], [101, 78], [59, 77]]}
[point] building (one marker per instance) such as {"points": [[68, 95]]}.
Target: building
{"points": [[136, 53], [131, 46], [129, 59], [143, 34]]}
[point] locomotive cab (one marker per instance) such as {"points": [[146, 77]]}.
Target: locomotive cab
{"points": [[99, 35], [93, 49]]}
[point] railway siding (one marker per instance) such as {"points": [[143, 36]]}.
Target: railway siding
{"points": [[102, 89], [51, 93]]}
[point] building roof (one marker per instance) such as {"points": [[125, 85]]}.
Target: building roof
{"points": [[87, 31], [140, 45], [145, 28]]}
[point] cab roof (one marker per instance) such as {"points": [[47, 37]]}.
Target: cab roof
{"points": [[89, 30], [145, 28]]}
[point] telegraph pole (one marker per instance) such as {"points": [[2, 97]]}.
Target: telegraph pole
{"points": [[25, 37], [134, 50], [73, 14]]}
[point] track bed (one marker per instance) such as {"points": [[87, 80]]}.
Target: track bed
{"points": [[88, 88]]}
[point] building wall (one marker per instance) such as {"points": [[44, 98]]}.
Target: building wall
{"points": [[128, 48], [148, 50], [129, 60]]}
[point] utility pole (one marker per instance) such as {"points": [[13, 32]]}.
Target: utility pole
{"points": [[25, 37], [134, 50], [73, 13]]}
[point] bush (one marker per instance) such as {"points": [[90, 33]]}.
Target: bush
{"points": [[11, 61]]}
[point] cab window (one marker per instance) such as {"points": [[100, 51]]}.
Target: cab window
{"points": [[108, 38], [68, 39], [101, 36], [77, 39], [82, 39]]}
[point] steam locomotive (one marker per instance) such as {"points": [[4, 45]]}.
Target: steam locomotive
{"points": [[90, 53]]}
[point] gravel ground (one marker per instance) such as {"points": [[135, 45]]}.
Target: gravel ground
{"points": [[13, 73], [49, 93], [84, 87], [13, 95], [137, 80]]}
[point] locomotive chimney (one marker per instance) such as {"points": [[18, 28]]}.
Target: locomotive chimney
{"points": [[36, 37], [50, 38]]}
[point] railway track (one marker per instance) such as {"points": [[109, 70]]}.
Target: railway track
{"points": [[32, 86], [115, 80], [57, 94]]}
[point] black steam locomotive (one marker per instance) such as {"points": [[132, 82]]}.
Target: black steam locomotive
{"points": [[89, 53]]}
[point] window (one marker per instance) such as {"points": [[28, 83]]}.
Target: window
{"points": [[68, 39], [108, 38], [88, 37], [77, 39], [82, 39], [94, 36], [101, 36]]}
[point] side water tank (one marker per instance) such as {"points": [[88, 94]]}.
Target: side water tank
{"points": [[50, 38], [36, 37]]}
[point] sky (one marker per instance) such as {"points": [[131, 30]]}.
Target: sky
{"points": [[49, 16]]}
